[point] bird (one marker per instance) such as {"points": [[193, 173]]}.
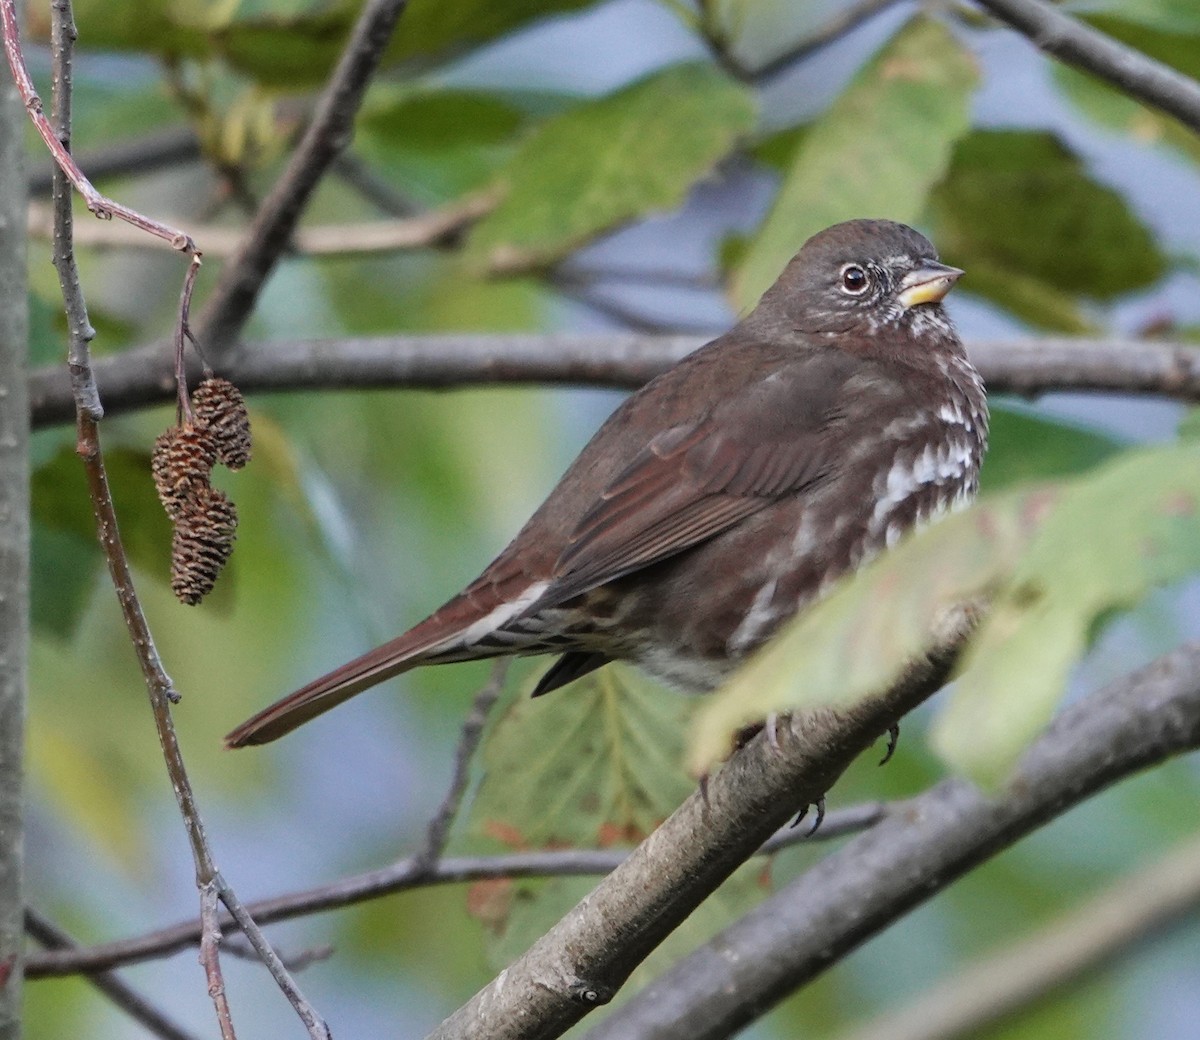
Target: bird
{"points": [[729, 492]]}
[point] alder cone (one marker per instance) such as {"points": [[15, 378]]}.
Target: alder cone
{"points": [[220, 408], [181, 463], [202, 544]]}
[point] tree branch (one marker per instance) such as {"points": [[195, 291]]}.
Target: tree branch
{"points": [[402, 876], [585, 958], [378, 236], [14, 551], [241, 280], [139, 156], [137, 1007], [144, 376], [1130, 71], [918, 850], [973, 1000]]}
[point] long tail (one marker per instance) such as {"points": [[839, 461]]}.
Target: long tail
{"points": [[327, 692]]}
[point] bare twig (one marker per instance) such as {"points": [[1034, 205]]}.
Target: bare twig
{"points": [[403, 876], [378, 236], [324, 139], [1107, 926], [210, 958], [44, 931], [100, 205], [922, 846], [1028, 366], [236, 946], [1129, 70], [88, 411], [841, 24], [438, 832]]}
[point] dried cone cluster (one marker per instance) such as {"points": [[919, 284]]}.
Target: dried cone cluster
{"points": [[204, 518]]}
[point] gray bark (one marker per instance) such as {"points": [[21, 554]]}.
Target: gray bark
{"points": [[14, 549]]}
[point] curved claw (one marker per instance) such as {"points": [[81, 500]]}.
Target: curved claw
{"points": [[820, 804], [893, 740]]}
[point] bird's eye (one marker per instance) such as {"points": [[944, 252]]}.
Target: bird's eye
{"points": [[854, 279]]}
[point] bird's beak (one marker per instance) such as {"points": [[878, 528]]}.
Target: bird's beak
{"points": [[929, 283]]}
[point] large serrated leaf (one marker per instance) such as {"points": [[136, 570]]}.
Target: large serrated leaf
{"points": [[854, 642], [606, 162], [1019, 213], [599, 764], [596, 765], [877, 152], [1111, 538]]}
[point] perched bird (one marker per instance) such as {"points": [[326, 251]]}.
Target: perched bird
{"points": [[730, 491]]}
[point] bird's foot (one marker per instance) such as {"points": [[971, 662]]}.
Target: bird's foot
{"points": [[820, 818], [893, 740]]}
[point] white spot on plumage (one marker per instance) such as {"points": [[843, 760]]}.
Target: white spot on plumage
{"points": [[506, 611], [762, 613]]}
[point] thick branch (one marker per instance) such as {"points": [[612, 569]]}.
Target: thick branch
{"points": [[584, 959], [14, 552], [403, 876], [917, 851], [144, 376], [1130, 71], [326, 137]]}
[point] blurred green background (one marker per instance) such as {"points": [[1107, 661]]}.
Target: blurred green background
{"points": [[644, 185]]}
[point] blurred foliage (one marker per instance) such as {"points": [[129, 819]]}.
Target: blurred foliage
{"points": [[361, 511]]}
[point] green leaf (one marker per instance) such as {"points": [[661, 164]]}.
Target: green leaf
{"points": [[149, 26], [608, 161], [437, 144], [1174, 16], [434, 29], [1054, 230], [1032, 300], [599, 767], [1178, 45], [1026, 447], [877, 152], [855, 641], [1110, 539], [287, 52]]}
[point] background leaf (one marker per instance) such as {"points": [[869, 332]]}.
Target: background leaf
{"points": [[604, 162]]}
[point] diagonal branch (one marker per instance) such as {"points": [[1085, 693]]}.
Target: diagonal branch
{"points": [[857, 891], [242, 280], [143, 376], [1129, 70]]}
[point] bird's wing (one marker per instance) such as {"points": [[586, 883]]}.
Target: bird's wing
{"points": [[774, 438]]}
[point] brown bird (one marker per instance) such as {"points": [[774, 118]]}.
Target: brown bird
{"points": [[730, 491]]}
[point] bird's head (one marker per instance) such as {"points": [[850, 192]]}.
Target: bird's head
{"points": [[864, 277]]}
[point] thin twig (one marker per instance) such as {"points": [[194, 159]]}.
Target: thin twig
{"points": [[140, 156], [438, 831], [143, 376], [44, 931], [991, 989], [210, 958], [1129, 70], [326, 136], [841, 24], [159, 686], [237, 946], [404, 876], [100, 205], [423, 231]]}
